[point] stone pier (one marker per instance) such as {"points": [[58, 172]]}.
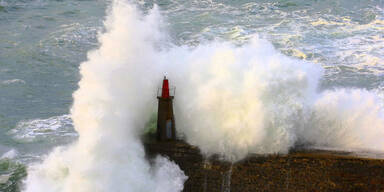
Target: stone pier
{"points": [[297, 171]]}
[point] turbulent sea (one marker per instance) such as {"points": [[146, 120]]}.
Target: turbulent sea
{"points": [[256, 76]]}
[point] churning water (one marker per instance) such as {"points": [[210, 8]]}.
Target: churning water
{"points": [[251, 76]]}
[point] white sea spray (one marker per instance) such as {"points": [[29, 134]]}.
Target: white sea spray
{"points": [[110, 107]]}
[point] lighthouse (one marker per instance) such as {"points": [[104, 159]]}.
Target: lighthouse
{"points": [[166, 129]]}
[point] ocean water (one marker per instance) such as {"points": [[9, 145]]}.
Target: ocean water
{"points": [[301, 72]]}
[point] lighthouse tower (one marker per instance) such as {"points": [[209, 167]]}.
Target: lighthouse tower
{"points": [[166, 129]]}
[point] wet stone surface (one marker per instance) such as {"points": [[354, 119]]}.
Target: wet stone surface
{"points": [[297, 171]]}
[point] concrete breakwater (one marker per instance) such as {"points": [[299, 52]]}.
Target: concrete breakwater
{"points": [[296, 171]]}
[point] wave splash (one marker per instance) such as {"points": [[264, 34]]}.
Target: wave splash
{"points": [[110, 107], [241, 100], [234, 101]]}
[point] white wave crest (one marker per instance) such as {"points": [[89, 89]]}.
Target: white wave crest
{"points": [[44, 129], [53, 128], [11, 154], [13, 81]]}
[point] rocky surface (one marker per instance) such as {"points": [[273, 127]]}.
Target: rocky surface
{"points": [[297, 171]]}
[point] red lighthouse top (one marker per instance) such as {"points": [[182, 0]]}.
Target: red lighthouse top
{"points": [[165, 89]]}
